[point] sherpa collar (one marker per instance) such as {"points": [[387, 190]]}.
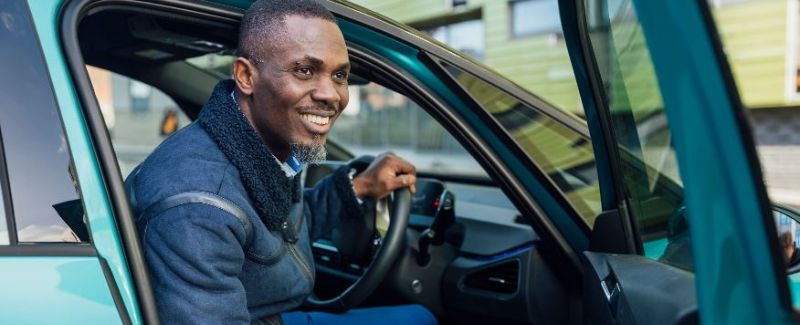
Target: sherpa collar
{"points": [[270, 190]]}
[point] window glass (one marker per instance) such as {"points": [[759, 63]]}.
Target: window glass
{"points": [[47, 206], [532, 17], [465, 36], [378, 119], [639, 123], [563, 153], [137, 115]]}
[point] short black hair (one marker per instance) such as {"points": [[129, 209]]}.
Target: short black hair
{"points": [[262, 23]]}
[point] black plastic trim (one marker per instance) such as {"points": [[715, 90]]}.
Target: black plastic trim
{"points": [[47, 249], [112, 287], [757, 177], [5, 188]]}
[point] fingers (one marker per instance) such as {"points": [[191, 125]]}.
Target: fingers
{"points": [[387, 173], [403, 180]]}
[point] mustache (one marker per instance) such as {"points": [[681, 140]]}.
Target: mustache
{"points": [[320, 107]]}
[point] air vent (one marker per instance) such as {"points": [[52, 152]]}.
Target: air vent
{"points": [[501, 278]]}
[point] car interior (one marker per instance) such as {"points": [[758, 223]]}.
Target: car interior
{"points": [[485, 262]]}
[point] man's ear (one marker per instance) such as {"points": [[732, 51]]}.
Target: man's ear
{"points": [[245, 74]]}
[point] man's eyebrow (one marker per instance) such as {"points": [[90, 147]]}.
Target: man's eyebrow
{"points": [[319, 62], [344, 66], [313, 60]]}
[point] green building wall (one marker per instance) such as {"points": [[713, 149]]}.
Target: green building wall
{"points": [[754, 35]]}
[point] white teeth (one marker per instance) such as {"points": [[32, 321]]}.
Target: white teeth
{"points": [[316, 119]]}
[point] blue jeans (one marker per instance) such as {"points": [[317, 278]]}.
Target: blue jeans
{"points": [[405, 314]]}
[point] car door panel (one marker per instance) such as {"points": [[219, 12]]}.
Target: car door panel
{"points": [[632, 289], [57, 290], [705, 127]]}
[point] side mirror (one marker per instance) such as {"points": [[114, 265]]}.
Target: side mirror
{"points": [[787, 222]]}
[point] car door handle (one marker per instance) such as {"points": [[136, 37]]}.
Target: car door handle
{"points": [[612, 290]]}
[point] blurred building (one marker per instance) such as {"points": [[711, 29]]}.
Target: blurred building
{"points": [[522, 40]]}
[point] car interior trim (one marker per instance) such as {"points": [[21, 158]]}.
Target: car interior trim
{"points": [[501, 255]]}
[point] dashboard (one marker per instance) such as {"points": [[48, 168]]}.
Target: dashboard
{"points": [[489, 259]]}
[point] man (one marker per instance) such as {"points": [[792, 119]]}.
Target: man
{"points": [[224, 222], [790, 253]]}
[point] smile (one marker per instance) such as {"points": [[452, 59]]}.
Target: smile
{"points": [[316, 119]]}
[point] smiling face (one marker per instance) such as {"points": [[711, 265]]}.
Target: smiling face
{"points": [[294, 93]]}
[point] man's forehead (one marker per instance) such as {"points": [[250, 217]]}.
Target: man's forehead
{"points": [[309, 37]]}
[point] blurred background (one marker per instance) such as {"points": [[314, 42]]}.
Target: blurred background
{"points": [[521, 40]]}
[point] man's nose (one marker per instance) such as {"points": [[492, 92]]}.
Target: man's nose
{"points": [[327, 91]]}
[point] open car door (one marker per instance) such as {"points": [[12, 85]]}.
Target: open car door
{"points": [[686, 234]]}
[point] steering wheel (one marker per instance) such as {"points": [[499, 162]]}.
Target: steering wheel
{"points": [[390, 248]]}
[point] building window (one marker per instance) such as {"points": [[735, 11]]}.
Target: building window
{"points": [[720, 3], [465, 36], [456, 4], [534, 17]]}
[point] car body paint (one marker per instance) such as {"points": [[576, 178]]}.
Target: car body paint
{"points": [[98, 208]]}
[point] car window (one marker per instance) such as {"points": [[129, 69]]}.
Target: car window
{"points": [[650, 175], [564, 154], [41, 178], [762, 45], [521, 40], [138, 116], [378, 119]]}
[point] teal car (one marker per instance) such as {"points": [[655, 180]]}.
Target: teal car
{"points": [[650, 209]]}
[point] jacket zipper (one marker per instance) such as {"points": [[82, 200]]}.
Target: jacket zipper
{"points": [[290, 237], [296, 255]]}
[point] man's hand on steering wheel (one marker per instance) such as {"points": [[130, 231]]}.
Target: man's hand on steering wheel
{"points": [[385, 174]]}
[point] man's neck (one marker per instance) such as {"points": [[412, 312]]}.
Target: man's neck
{"points": [[245, 106]]}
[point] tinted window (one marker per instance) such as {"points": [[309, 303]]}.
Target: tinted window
{"points": [[46, 203], [563, 153], [651, 179]]}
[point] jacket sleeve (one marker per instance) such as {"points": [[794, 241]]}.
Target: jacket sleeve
{"points": [[331, 200], [195, 255]]}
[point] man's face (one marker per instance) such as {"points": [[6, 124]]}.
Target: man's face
{"points": [[301, 86]]}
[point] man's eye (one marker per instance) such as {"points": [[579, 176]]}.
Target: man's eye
{"points": [[341, 75], [306, 71]]}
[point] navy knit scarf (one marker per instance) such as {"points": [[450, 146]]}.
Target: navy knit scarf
{"points": [[270, 190]]}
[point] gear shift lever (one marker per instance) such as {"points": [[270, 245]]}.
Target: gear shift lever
{"points": [[444, 218]]}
